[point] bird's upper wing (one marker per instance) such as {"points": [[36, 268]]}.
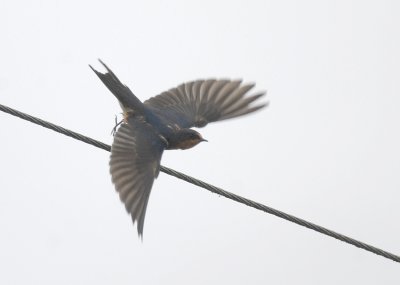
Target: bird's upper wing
{"points": [[134, 164], [197, 103]]}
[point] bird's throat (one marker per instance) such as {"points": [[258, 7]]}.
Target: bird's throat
{"points": [[185, 144]]}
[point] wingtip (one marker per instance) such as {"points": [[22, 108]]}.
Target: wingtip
{"points": [[261, 94], [139, 226], [264, 105], [249, 85], [140, 236], [140, 232]]}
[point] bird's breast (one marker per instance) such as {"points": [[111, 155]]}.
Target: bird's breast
{"points": [[182, 144]]}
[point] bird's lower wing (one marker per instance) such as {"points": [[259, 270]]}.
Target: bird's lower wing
{"points": [[134, 164]]}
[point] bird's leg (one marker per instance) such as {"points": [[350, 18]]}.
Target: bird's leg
{"points": [[114, 130]]}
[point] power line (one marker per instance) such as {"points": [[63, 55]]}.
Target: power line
{"points": [[211, 188]]}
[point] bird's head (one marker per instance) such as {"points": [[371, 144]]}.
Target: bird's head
{"points": [[188, 138]]}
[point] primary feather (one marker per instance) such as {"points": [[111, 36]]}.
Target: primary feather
{"points": [[197, 103]]}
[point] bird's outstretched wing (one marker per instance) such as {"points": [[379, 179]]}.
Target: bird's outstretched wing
{"points": [[134, 164], [197, 103]]}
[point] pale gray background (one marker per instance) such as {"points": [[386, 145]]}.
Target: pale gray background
{"points": [[327, 148]]}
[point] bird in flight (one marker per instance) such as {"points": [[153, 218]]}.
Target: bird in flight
{"points": [[164, 122]]}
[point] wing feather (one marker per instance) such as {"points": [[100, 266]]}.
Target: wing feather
{"points": [[134, 164], [197, 103]]}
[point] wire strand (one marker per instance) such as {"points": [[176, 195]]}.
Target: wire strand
{"points": [[211, 188]]}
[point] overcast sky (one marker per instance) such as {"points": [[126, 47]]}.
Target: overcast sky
{"points": [[326, 149]]}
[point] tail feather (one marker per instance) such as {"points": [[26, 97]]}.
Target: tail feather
{"points": [[125, 96]]}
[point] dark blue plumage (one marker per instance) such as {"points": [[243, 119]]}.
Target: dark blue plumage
{"points": [[165, 122]]}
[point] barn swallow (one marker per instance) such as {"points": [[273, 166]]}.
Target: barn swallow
{"points": [[164, 122]]}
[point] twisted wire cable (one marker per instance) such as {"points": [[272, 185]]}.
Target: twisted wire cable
{"points": [[211, 188]]}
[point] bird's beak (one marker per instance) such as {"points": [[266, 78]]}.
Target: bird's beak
{"points": [[204, 140]]}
